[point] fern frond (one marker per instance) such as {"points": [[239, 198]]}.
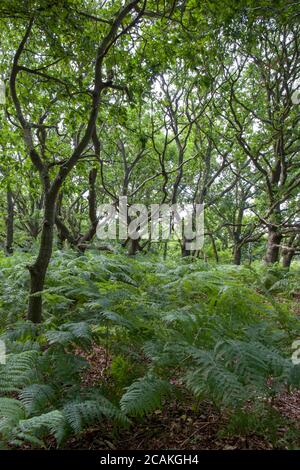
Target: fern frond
{"points": [[37, 397], [80, 415], [218, 383], [11, 411], [144, 395], [20, 370], [51, 423], [79, 334]]}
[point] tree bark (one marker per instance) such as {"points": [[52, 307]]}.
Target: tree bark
{"points": [[214, 247], [92, 198], [273, 245], [237, 254], [80, 241], [184, 251], [133, 247], [287, 256], [9, 223], [289, 251], [39, 268], [60, 230]]}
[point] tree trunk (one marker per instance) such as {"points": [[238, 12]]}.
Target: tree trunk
{"points": [[133, 247], [39, 268], [61, 236], [289, 251], [237, 254], [287, 256], [165, 250], [273, 246], [9, 223], [185, 252], [92, 198], [214, 247]]}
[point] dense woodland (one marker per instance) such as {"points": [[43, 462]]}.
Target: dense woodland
{"points": [[139, 343]]}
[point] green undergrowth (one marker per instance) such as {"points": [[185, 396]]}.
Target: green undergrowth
{"points": [[221, 333]]}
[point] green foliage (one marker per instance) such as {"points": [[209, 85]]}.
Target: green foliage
{"points": [[19, 370], [99, 104], [123, 372], [217, 332], [144, 395], [263, 421]]}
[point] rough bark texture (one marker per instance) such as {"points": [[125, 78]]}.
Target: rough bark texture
{"points": [[289, 251], [237, 254], [287, 256], [9, 223], [39, 268], [273, 246], [60, 232]]}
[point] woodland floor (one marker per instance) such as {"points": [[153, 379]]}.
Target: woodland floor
{"points": [[181, 423], [177, 426]]}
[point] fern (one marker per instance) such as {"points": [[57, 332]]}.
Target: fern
{"points": [[144, 395], [216, 381], [79, 334], [19, 370], [37, 397], [51, 423], [80, 415], [217, 330], [11, 412], [252, 360]]}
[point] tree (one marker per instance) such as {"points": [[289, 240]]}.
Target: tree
{"points": [[265, 126], [53, 183]]}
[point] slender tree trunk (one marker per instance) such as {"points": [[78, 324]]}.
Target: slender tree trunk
{"points": [[133, 247], [273, 246], [289, 251], [237, 232], [214, 247], [39, 268], [92, 198], [9, 223], [250, 254], [165, 249], [64, 233], [237, 254], [184, 251], [60, 232], [287, 256]]}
